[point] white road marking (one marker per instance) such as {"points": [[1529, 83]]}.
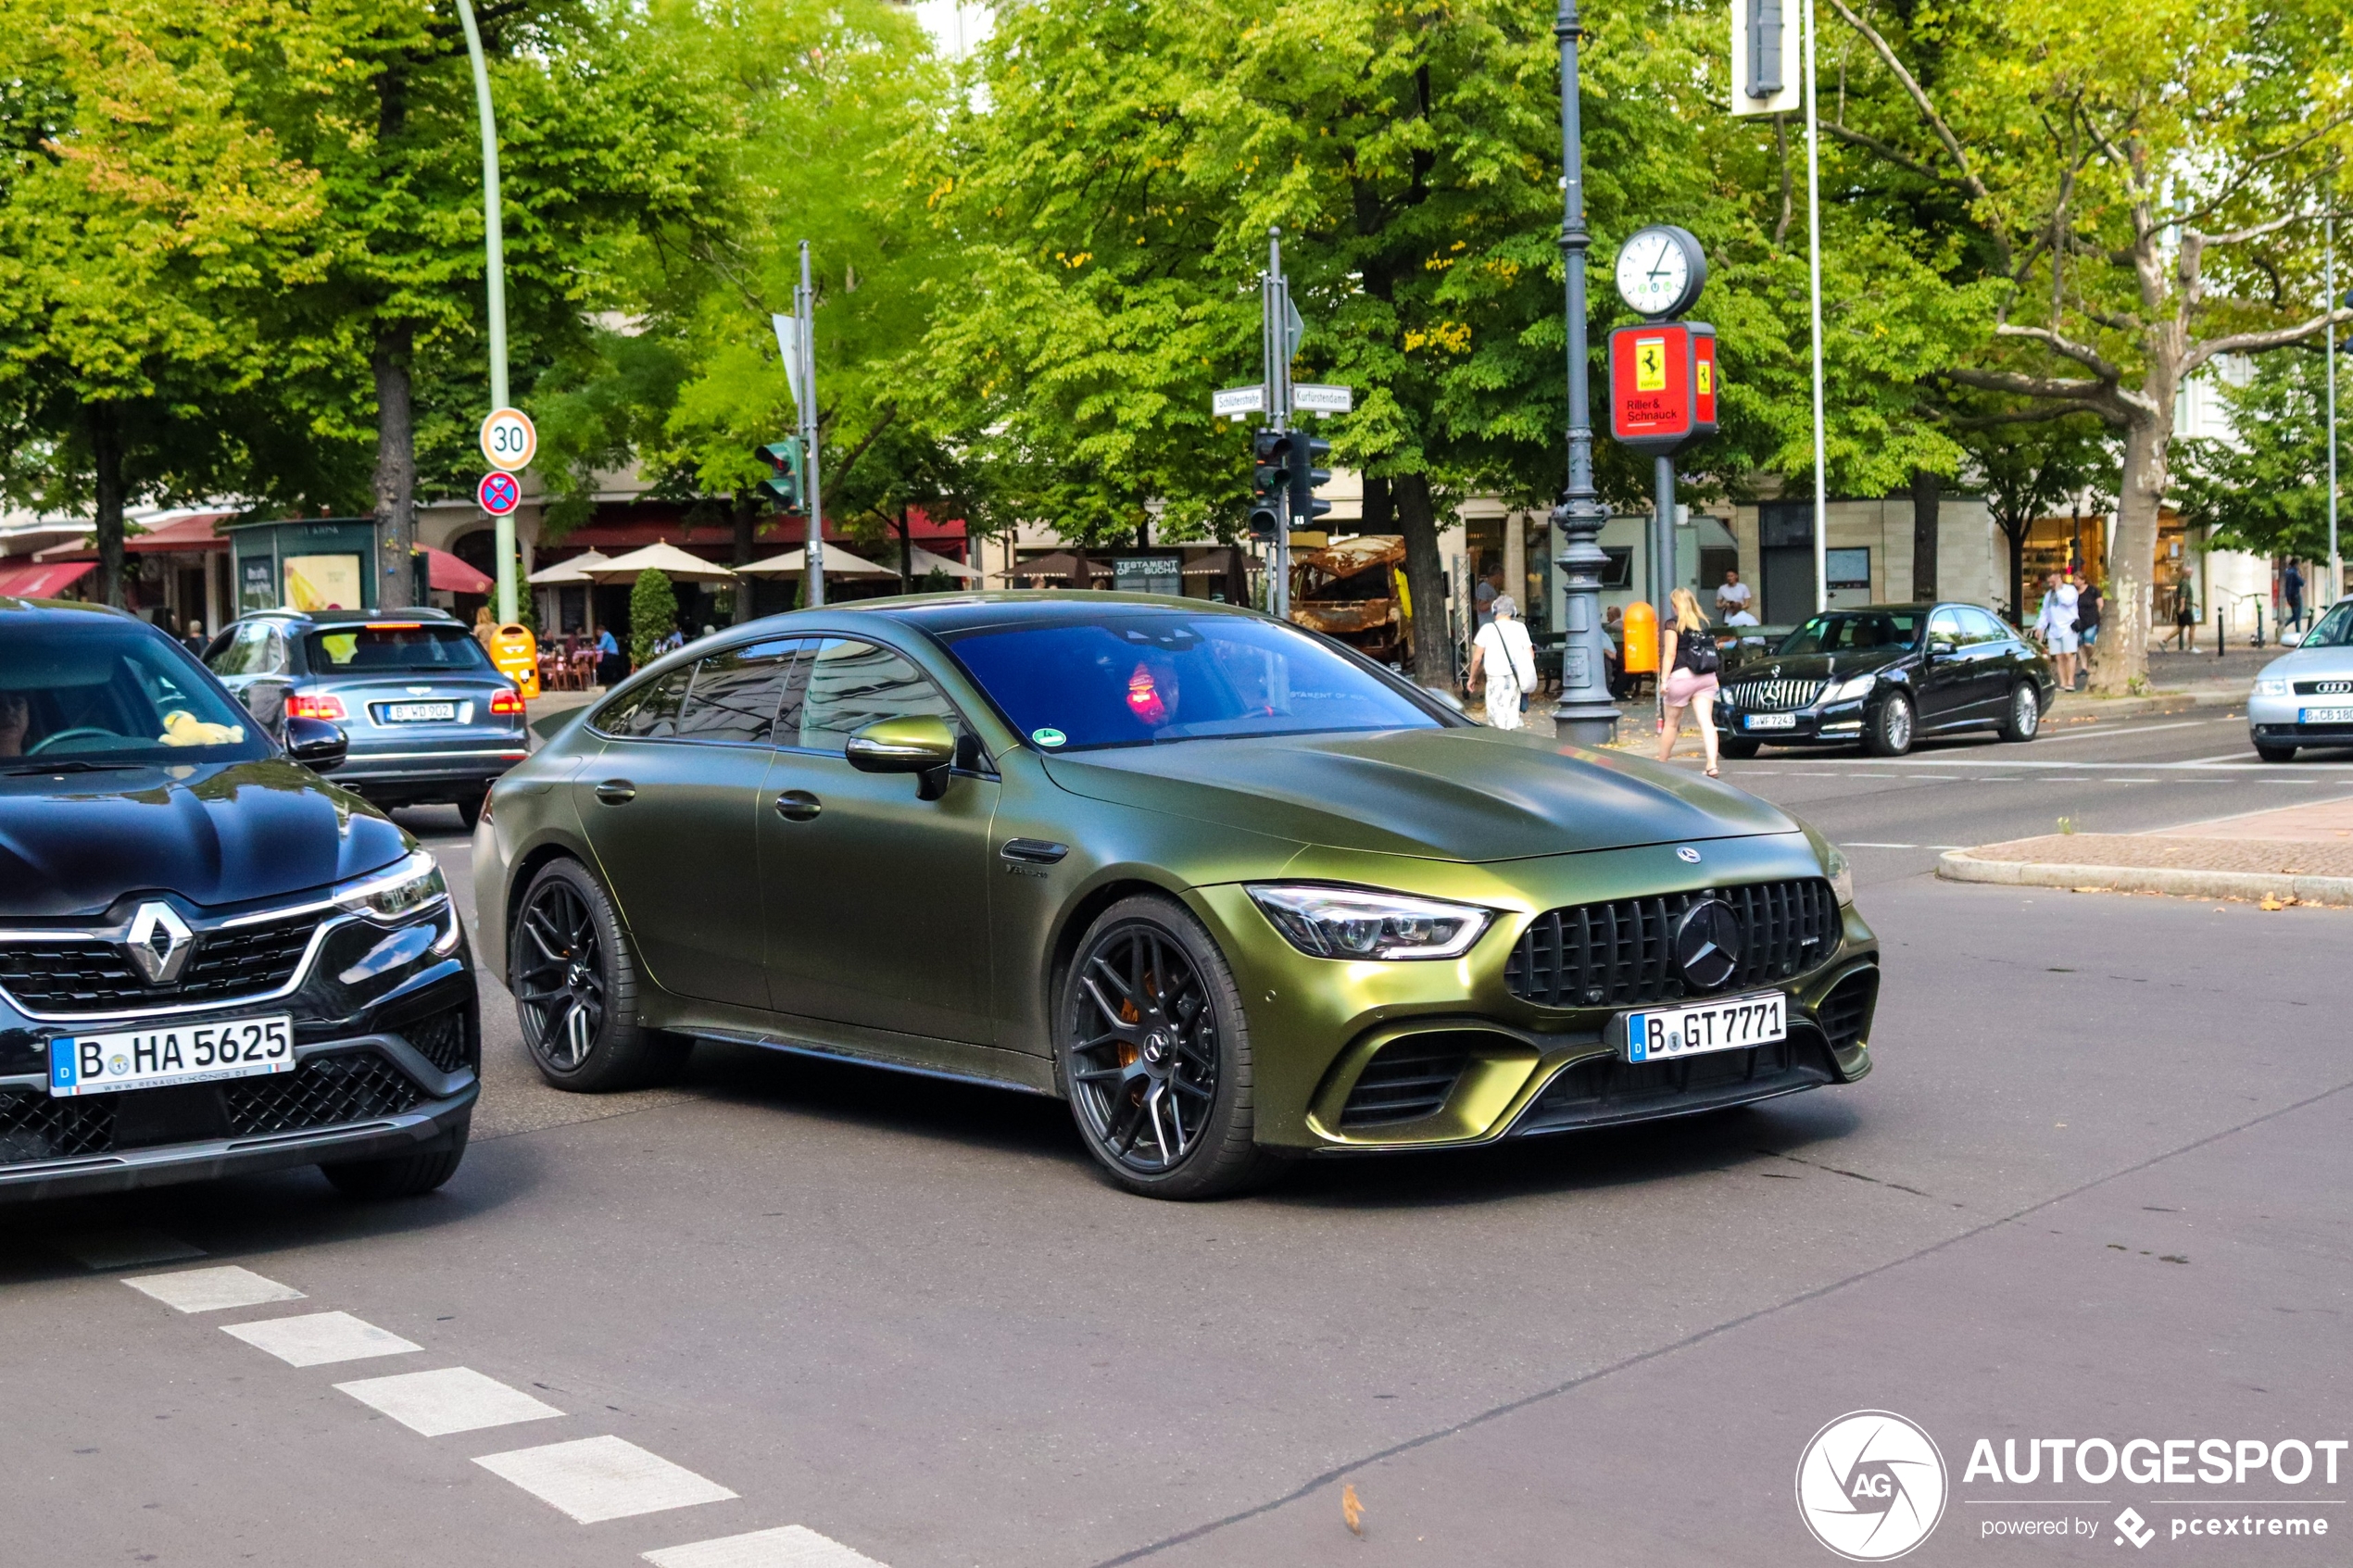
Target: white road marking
{"points": [[792, 1547], [2203, 765], [1859, 845], [125, 1249], [209, 1290], [453, 1399], [317, 1338], [599, 1478], [2047, 735]]}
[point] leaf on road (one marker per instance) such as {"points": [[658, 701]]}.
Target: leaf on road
{"points": [[2271, 901], [1351, 1510]]}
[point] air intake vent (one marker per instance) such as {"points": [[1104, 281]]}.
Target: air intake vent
{"points": [[1408, 1080], [1622, 953], [1846, 1013]]}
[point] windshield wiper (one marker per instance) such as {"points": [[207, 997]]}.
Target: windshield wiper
{"points": [[68, 765]]}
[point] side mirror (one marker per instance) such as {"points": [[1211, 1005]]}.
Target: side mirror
{"points": [[316, 743], [912, 745], [1938, 647]]}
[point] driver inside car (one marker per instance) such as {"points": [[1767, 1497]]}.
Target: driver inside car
{"points": [[15, 717]]}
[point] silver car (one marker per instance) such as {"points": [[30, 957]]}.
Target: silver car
{"points": [[2305, 696]]}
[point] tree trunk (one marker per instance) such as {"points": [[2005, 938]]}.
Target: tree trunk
{"points": [[747, 522], [2017, 537], [2124, 620], [395, 465], [906, 554], [1426, 576], [106, 463], [1927, 494]]}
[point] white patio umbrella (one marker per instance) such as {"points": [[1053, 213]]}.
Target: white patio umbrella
{"points": [[668, 560], [839, 563], [921, 563], [571, 573]]}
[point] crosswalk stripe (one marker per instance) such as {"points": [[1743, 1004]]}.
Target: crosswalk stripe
{"points": [[599, 1478], [210, 1290], [453, 1399], [320, 1338], [791, 1547]]}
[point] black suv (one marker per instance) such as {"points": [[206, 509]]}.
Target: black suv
{"points": [[211, 959]]}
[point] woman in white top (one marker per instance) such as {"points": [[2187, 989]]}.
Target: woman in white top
{"points": [[1503, 653], [2055, 626]]}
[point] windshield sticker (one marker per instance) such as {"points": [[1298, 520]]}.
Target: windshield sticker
{"points": [[1049, 738]]}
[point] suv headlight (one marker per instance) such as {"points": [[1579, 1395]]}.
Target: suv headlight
{"points": [[1850, 688], [1842, 875], [413, 884], [1349, 923], [2271, 685]]}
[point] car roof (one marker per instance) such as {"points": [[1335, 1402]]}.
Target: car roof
{"points": [[12, 604], [945, 614], [354, 617]]}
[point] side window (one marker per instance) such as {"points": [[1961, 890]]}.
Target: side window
{"points": [[273, 655], [850, 684], [245, 652], [736, 693], [652, 711], [1978, 626], [1944, 627]]}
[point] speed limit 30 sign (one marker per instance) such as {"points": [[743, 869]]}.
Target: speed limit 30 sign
{"points": [[509, 439]]}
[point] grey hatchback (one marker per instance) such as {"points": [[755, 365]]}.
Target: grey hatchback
{"points": [[430, 718]]}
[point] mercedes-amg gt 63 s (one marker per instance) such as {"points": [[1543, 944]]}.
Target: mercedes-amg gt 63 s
{"points": [[211, 959], [1234, 893]]}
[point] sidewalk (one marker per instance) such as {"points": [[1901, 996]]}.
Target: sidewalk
{"points": [[2298, 854]]}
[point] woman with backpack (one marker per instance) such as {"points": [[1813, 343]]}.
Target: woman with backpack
{"points": [[1691, 663], [1503, 653]]}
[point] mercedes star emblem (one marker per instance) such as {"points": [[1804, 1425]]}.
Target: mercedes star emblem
{"points": [[1708, 943], [1688, 854]]}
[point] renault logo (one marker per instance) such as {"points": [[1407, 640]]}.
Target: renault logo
{"points": [[160, 942], [1708, 943]]}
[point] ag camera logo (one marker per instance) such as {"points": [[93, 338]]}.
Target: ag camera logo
{"points": [[1871, 1486]]}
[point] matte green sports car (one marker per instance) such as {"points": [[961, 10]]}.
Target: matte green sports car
{"points": [[1232, 891]]}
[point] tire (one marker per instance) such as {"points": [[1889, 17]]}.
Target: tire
{"points": [[2271, 753], [402, 1175], [1890, 732], [2022, 720], [575, 983], [1143, 959], [1739, 749], [469, 808]]}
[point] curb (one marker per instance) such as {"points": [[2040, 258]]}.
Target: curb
{"points": [[2072, 704], [1959, 865]]}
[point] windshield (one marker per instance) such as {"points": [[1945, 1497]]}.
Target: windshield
{"points": [[1105, 678], [1855, 630], [97, 689], [2334, 631], [395, 647]]}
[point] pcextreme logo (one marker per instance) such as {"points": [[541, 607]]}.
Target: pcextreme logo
{"points": [[1871, 1486]]}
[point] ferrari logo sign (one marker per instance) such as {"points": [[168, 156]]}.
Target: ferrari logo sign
{"points": [[1662, 383], [1650, 364]]}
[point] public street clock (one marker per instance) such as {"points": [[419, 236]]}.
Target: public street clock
{"points": [[1661, 270]]}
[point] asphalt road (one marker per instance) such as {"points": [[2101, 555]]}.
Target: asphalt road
{"points": [[2094, 1189]]}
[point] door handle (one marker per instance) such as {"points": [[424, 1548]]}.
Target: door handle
{"points": [[798, 806], [616, 792]]}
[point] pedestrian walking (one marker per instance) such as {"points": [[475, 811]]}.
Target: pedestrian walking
{"points": [[2055, 626], [194, 640], [1504, 656], [1691, 662], [610, 671], [2185, 617], [2292, 590], [2087, 624], [1733, 597], [1490, 586]]}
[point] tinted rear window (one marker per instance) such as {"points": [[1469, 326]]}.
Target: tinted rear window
{"points": [[394, 649]]}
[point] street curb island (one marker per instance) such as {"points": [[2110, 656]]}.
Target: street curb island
{"points": [[1962, 865]]}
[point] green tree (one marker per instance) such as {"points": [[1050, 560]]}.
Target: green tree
{"points": [[653, 615], [2028, 466], [2266, 492]]}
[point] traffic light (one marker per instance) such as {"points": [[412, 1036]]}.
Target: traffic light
{"points": [[1270, 478], [1306, 478], [782, 486]]}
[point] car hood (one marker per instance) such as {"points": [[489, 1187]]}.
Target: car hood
{"points": [[1815, 666], [215, 834], [2311, 664], [1467, 794]]}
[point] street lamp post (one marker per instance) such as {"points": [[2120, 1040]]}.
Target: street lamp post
{"points": [[1585, 713], [495, 271]]}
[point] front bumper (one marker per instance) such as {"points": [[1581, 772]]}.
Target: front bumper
{"points": [[1832, 725], [2279, 720]]}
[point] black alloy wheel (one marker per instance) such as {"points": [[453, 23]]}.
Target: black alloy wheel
{"points": [[1155, 1055], [576, 985], [2271, 753], [2023, 720], [469, 808], [1888, 733]]}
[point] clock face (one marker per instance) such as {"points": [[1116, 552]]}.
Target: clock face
{"points": [[1655, 272]]}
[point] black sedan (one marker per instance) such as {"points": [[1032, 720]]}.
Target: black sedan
{"points": [[1882, 676], [211, 959]]}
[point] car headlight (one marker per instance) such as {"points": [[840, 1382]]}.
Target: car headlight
{"points": [[1349, 923], [2271, 685], [1850, 688], [415, 883], [1842, 871]]}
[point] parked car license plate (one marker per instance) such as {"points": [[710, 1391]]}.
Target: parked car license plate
{"points": [[2324, 715], [1732, 1025], [1771, 722], [420, 712], [177, 1053]]}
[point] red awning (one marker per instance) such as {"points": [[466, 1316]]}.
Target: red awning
{"points": [[44, 582], [445, 572]]}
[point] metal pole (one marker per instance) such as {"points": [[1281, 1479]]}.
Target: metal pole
{"points": [[1277, 303], [1663, 550], [2337, 564], [1814, 276], [804, 304], [1585, 713], [495, 268]]}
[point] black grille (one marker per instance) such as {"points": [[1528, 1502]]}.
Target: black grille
{"points": [[1774, 697], [1846, 1013], [2324, 688], [324, 1092], [1607, 1089], [83, 975], [441, 1040], [1408, 1080], [33, 1126], [1621, 953]]}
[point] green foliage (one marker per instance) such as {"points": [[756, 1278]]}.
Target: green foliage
{"points": [[653, 615], [2266, 493]]}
